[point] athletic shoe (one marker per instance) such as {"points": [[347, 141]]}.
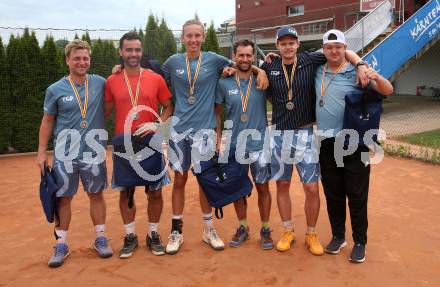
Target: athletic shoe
{"points": [[102, 248], [335, 245], [358, 253], [211, 238], [174, 243], [61, 252], [266, 241], [313, 244], [154, 243], [287, 238], [130, 245], [240, 236]]}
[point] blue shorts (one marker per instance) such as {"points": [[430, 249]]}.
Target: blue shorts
{"points": [[260, 168], [297, 147], [93, 176], [181, 150]]}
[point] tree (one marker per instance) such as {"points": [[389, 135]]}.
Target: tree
{"points": [[76, 36], [97, 57], [141, 34], [211, 42], [86, 37], [151, 42], [30, 95], [51, 62], [60, 44], [167, 42], [5, 113]]}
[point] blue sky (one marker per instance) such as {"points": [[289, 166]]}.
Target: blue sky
{"points": [[107, 14]]}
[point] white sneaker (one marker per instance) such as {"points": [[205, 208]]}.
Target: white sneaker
{"points": [[211, 237], [174, 243]]}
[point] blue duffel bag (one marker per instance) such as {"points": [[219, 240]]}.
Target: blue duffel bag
{"points": [[48, 190], [148, 156], [362, 113], [223, 183]]}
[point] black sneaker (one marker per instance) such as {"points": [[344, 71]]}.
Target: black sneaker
{"points": [[154, 243], [335, 245], [130, 244], [358, 253]]}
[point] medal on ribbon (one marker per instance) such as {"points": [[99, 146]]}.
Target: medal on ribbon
{"points": [[323, 87], [82, 107], [289, 105], [134, 99], [191, 98], [244, 99]]}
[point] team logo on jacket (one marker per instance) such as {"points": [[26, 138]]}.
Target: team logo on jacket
{"points": [[233, 92], [67, 99], [180, 71], [275, 73]]}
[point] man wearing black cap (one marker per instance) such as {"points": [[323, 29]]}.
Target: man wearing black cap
{"points": [[292, 92]]}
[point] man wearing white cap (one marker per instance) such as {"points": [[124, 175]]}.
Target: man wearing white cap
{"points": [[292, 92], [332, 82]]}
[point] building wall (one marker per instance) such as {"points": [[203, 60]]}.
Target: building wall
{"points": [[425, 72], [274, 13]]}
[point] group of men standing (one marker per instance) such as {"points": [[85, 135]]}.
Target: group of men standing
{"points": [[75, 107]]}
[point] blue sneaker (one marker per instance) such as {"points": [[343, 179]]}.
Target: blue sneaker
{"points": [[240, 236], [266, 241], [102, 248], [61, 252]]}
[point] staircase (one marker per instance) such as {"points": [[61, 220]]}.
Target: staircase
{"points": [[393, 52], [367, 49]]}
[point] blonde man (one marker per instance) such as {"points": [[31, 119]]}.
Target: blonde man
{"points": [[74, 114]]}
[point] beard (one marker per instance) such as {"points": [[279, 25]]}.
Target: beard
{"points": [[244, 68], [130, 62]]}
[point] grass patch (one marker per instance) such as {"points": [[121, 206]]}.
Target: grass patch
{"points": [[425, 154], [429, 139]]}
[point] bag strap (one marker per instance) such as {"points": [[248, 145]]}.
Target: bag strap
{"points": [[219, 213], [218, 170], [364, 105]]}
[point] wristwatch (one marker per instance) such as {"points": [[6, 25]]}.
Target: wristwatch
{"points": [[360, 63]]}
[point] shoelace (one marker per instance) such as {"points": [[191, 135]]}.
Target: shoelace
{"points": [[60, 250], [213, 233], [266, 233], [173, 236], [155, 239], [286, 236], [101, 242]]}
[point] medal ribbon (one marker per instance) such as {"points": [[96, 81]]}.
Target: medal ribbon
{"points": [[289, 82], [323, 87], [82, 108], [192, 84], [134, 100], [244, 100]]}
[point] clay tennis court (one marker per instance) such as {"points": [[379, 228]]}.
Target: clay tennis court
{"points": [[403, 248]]}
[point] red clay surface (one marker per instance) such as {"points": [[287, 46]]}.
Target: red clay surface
{"points": [[403, 248]]}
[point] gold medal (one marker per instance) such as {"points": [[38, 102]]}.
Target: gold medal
{"points": [[83, 124], [244, 99], [323, 87], [290, 105], [289, 82], [82, 108], [134, 99], [191, 99]]}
